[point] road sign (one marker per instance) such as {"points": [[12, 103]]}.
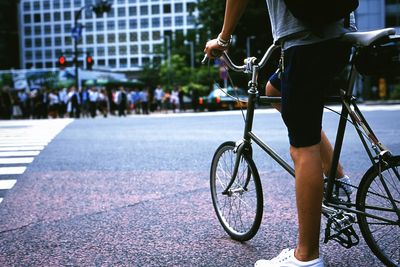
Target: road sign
{"points": [[76, 32]]}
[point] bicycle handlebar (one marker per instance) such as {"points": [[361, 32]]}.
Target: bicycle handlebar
{"points": [[245, 67]]}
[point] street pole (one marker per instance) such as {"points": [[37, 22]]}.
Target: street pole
{"points": [[168, 57], [248, 39], [76, 51]]}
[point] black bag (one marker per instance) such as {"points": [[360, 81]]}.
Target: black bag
{"points": [[319, 12], [380, 58]]}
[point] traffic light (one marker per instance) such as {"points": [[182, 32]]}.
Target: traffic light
{"points": [[62, 62], [89, 62], [101, 7]]}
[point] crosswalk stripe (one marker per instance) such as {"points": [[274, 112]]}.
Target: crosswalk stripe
{"points": [[21, 148], [7, 184], [6, 144], [16, 160], [12, 170], [1, 199], [19, 153]]}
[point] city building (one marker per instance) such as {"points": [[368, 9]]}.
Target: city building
{"points": [[132, 34]]}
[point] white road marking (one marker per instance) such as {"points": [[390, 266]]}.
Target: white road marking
{"points": [[12, 170], [19, 153], [21, 148], [16, 160], [7, 184]]}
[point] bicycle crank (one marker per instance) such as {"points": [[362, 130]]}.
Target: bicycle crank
{"points": [[339, 227]]}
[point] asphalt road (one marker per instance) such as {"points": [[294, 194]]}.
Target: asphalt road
{"points": [[135, 192]]}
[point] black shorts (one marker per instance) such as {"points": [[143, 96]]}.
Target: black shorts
{"points": [[308, 71]]}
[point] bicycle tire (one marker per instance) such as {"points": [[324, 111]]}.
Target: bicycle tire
{"points": [[382, 237], [240, 225]]}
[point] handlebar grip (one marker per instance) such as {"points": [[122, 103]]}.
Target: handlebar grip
{"points": [[215, 53]]}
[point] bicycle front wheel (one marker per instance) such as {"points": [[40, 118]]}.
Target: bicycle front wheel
{"points": [[379, 196], [240, 209]]}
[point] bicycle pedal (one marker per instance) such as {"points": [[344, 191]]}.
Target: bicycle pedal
{"points": [[339, 228]]}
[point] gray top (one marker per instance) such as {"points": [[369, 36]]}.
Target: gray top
{"points": [[289, 31]]}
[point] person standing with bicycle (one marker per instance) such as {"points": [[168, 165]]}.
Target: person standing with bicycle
{"points": [[311, 57]]}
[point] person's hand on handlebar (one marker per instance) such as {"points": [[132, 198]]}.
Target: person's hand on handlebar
{"points": [[215, 47]]}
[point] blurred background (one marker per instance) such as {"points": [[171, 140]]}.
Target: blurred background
{"points": [[50, 46]]}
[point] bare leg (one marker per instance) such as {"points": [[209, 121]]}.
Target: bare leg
{"points": [[309, 192], [325, 145]]}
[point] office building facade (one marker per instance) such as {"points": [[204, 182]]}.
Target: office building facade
{"points": [[129, 36]]}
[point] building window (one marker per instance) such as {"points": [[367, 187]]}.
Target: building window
{"points": [[122, 50], [77, 3], [145, 60], [112, 63], [178, 8], [145, 49], [110, 25], [132, 11], [100, 26], [144, 10], [46, 5], [27, 19], [47, 29], [100, 39], [144, 23], [134, 62], [132, 1], [100, 51], [48, 54], [47, 42], [156, 36], [68, 40], [122, 37], [155, 9], [67, 28], [28, 31], [178, 21], [49, 64], [101, 62], [134, 49], [167, 8], [122, 24], [28, 43], [67, 15], [123, 63], [121, 12], [89, 39], [56, 4], [167, 22], [155, 22], [111, 38], [47, 17], [190, 20], [392, 13], [57, 41], [57, 28], [89, 27], [28, 55], [57, 16], [67, 3], [144, 36], [111, 51], [37, 18], [133, 37], [121, 2], [38, 30], [36, 5], [27, 6], [133, 23], [38, 65]]}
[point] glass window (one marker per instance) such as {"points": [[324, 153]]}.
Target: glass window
{"points": [[56, 4], [155, 9], [134, 62], [100, 26], [190, 20], [122, 37], [121, 24], [37, 18], [167, 8], [49, 65], [156, 35], [112, 63], [28, 30], [36, 5], [134, 49], [145, 60], [38, 30], [46, 5], [111, 14], [38, 54], [121, 1], [89, 39], [57, 41], [155, 22], [27, 19], [68, 40], [47, 41], [28, 43], [190, 7], [89, 27], [28, 55], [47, 29], [144, 23], [67, 3], [38, 42], [121, 12], [67, 15], [57, 16], [178, 21], [67, 28], [78, 3], [167, 21], [133, 23], [144, 36], [110, 25], [123, 63], [122, 50], [145, 49], [178, 7], [47, 17], [144, 10], [27, 6], [132, 11], [133, 37], [100, 38], [38, 65], [132, 1], [48, 53], [101, 62], [111, 38], [111, 51], [100, 51], [57, 28]]}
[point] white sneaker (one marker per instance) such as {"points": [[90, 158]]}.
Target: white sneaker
{"points": [[287, 259]]}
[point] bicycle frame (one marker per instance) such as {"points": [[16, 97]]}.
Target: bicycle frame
{"points": [[349, 108]]}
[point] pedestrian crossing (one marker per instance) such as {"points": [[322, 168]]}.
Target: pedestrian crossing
{"points": [[20, 142]]}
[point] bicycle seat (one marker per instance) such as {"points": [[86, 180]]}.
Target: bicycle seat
{"points": [[367, 38]]}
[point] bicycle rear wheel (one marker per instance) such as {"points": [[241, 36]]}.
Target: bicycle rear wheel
{"points": [[379, 195], [240, 209]]}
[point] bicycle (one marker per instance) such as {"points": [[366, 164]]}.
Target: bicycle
{"points": [[236, 188]]}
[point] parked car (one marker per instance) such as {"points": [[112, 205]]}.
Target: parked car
{"points": [[220, 99]]}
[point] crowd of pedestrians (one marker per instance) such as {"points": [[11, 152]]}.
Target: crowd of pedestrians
{"points": [[89, 102]]}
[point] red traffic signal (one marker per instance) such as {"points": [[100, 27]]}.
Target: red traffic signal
{"points": [[62, 62], [89, 62]]}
